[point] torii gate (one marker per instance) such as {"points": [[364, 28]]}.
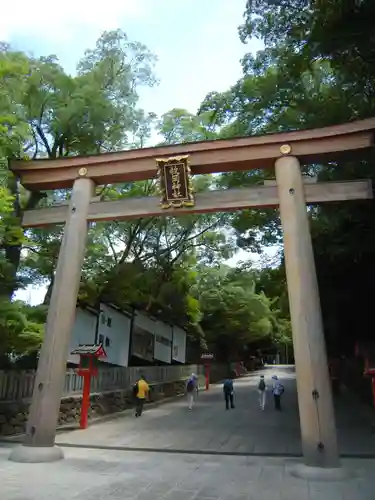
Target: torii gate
{"points": [[282, 151]]}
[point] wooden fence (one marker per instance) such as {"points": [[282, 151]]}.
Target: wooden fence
{"points": [[16, 386]]}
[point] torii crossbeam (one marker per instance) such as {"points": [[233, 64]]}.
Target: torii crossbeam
{"points": [[283, 151]]}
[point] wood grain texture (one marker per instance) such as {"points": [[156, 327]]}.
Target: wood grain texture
{"points": [[205, 157], [213, 201], [50, 376], [317, 419]]}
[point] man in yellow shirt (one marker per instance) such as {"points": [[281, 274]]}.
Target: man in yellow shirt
{"points": [[142, 393]]}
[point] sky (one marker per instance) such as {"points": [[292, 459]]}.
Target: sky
{"points": [[196, 42]]}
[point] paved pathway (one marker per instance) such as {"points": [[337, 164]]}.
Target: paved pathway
{"points": [[88, 473], [117, 475], [245, 430]]}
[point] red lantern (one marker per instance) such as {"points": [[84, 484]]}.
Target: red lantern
{"points": [[207, 357], [88, 366]]}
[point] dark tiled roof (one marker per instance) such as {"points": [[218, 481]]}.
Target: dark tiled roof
{"points": [[93, 349]]}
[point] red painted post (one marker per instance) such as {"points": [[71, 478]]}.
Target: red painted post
{"points": [[207, 357], [373, 389], [370, 372], [89, 354], [84, 421], [207, 366]]}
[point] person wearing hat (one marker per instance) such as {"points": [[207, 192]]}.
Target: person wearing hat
{"points": [[191, 390], [277, 390]]}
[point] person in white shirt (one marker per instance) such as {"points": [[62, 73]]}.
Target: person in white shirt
{"points": [[262, 391], [277, 390], [192, 388]]}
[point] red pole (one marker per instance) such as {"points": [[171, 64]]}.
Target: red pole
{"points": [[84, 422], [373, 389], [207, 366]]}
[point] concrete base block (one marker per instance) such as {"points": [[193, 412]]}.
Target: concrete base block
{"points": [[36, 454], [308, 473]]}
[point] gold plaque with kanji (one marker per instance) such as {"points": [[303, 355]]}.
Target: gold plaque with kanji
{"points": [[175, 182]]}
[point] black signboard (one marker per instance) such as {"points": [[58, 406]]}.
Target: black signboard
{"points": [[175, 182]]}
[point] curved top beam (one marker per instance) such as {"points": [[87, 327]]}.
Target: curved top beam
{"points": [[226, 155]]}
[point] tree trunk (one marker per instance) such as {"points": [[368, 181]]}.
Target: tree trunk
{"points": [[13, 257], [13, 252], [48, 294]]}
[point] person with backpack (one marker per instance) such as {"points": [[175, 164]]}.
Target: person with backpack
{"points": [[228, 391], [277, 390], [140, 392], [191, 390], [262, 391]]}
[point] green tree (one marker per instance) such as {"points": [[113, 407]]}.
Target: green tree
{"points": [[235, 315], [317, 69], [146, 254], [14, 69], [19, 334], [178, 126], [47, 113], [92, 112], [338, 30]]}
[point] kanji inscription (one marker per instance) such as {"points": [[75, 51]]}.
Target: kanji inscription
{"points": [[175, 182]]}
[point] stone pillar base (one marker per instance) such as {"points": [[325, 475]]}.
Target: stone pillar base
{"points": [[36, 454], [308, 473]]}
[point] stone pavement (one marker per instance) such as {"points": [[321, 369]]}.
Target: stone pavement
{"points": [[88, 474], [245, 430], [178, 469]]}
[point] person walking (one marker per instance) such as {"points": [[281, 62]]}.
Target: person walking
{"points": [[277, 390], [191, 390], [262, 391], [228, 391], [141, 391]]}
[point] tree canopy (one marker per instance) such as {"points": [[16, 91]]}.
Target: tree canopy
{"points": [[158, 265], [316, 69]]}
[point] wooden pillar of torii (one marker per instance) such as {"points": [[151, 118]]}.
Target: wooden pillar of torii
{"points": [[284, 152]]}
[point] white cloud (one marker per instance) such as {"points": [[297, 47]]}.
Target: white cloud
{"points": [[23, 17]]}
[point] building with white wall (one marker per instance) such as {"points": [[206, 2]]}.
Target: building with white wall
{"points": [[83, 332], [114, 334], [178, 345], [143, 337], [127, 338], [163, 342]]}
